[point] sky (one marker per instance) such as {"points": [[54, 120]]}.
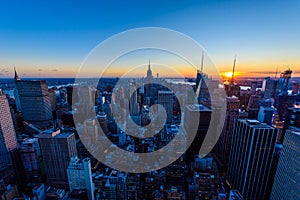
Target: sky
{"points": [[52, 38]]}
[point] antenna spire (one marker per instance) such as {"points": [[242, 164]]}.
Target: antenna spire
{"points": [[232, 77], [276, 72], [17, 78]]}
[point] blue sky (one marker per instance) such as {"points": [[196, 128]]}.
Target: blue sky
{"points": [[52, 38]]}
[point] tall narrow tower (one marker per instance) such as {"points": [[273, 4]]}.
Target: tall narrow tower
{"points": [[16, 77], [149, 80], [149, 74]]}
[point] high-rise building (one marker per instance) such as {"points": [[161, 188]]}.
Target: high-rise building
{"points": [[250, 159], [222, 148], [102, 119], [148, 81], [292, 120], [80, 176], [39, 192], [57, 150], [283, 81], [253, 106], [235, 195], [269, 87], [133, 103], [7, 132], [31, 156], [192, 112], [254, 86], [201, 85], [266, 111], [165, 98], [283, 102], [287, 179], [34, 102]]}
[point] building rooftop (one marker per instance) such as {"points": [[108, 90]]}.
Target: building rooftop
{"points": [[255, 123], [164, 92], [198, 107]]}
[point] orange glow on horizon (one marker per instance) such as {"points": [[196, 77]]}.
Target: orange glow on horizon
{"points": [[228, 75]]}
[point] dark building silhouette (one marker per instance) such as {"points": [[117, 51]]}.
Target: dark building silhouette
{"points": [[191, 114], [222, 147], [250, 158], [287, 179]]}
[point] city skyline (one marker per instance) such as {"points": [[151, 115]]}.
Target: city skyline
{"points": [[53, 41], [160, 100]]}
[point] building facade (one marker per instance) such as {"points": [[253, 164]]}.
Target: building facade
{"points": [[8, 140], [34, 102], [80, 176], [287, 179], [251, 156], [57, 150]]}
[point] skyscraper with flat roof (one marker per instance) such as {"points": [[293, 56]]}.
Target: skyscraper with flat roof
{"points": [[196, 119], [57, 150], [251, 156], [292, 120], [222, 148], [287, 179], [80, 175], [165, 98], [30, 155]]}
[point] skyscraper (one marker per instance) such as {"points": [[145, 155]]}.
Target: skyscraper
{"points": [[30, 156], [292, 120], [133, 103], [222, 148], [287, 179], [253, 106], [7, 132], [192, 112], [269, 87], [34, 102], [266, 111], [80, 176], [149, 80], [165, 98], [57, 150], [251, 157]]}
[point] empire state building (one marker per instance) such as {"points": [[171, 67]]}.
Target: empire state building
{"points": [[149, 80], [149, 74]]}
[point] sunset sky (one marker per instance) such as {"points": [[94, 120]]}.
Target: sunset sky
{"points": [[51, 39]]}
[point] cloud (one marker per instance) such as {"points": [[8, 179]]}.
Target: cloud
{"points": [[54, 70], [1, 74], [40, 70]]}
